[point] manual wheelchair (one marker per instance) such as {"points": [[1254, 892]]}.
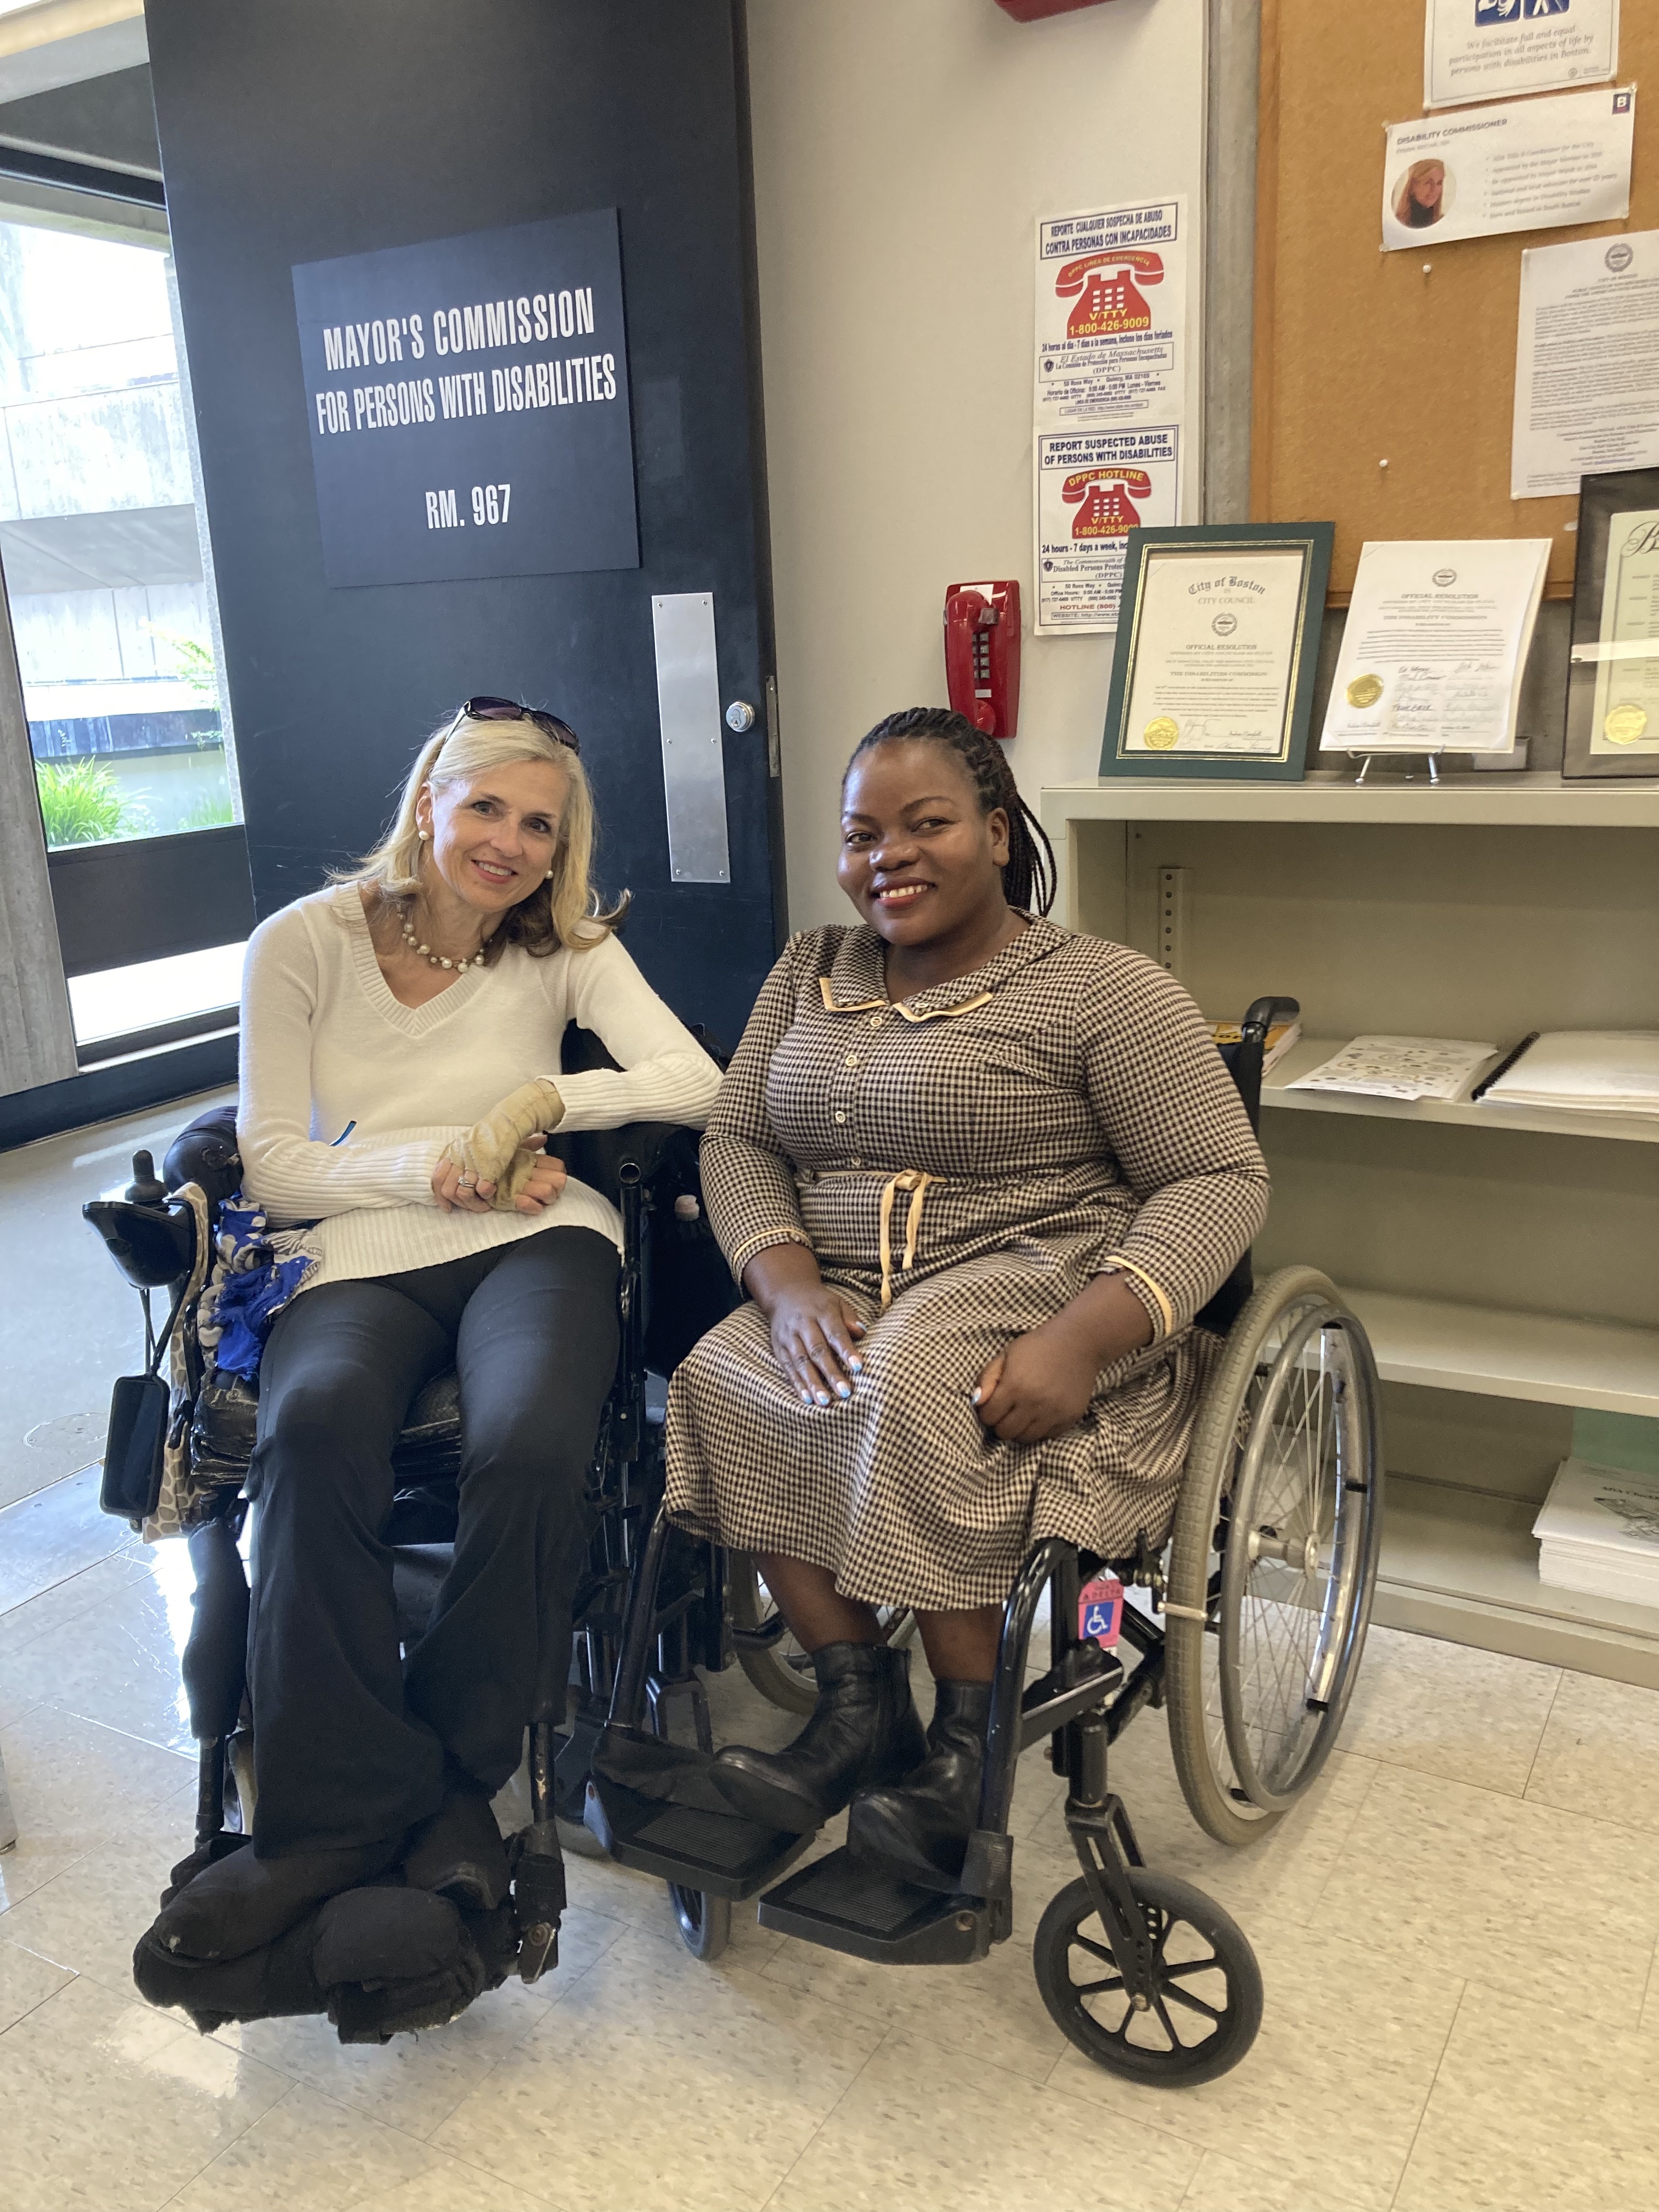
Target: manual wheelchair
{"points": [[1248, 1629]]}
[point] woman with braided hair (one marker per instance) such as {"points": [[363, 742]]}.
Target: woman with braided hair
{"points": [[977, 1174]]}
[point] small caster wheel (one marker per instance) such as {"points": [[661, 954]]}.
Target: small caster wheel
{"points": [[1207, 2003], [705, 1921]]}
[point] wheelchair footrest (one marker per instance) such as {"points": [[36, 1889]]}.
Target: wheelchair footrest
{"points": [[844, 1904], [666, 1818]]}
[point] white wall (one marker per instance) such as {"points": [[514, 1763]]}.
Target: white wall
{"points": [[903, 150]]}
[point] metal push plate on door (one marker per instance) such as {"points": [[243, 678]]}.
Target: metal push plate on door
{"points": [[693, 762]]}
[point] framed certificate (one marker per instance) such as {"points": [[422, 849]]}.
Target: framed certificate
{"points": [[1435, 645], [1218, 638], [1612, 682]]}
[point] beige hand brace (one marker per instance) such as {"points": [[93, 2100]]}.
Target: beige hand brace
{"points": [[494, 1150]]}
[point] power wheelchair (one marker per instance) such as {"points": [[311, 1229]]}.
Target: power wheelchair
{"points": [[1249, 1628], [672, 1285]]}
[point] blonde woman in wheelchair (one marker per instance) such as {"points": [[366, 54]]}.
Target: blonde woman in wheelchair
{"points": [[977, 1174], [400, 1072]]}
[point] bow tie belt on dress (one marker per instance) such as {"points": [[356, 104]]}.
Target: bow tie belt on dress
{"points": [[917, 1183], [914, 1180]]}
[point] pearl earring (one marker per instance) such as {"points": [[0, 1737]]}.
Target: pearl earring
{"points": [[548, 877]]}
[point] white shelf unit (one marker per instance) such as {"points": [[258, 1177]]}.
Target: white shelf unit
{"points": [[1491, 797], [1503, 1259], [1495, 1352], [1309, 1053]]}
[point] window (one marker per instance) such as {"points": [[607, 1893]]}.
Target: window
{"points": [[102, 545]]}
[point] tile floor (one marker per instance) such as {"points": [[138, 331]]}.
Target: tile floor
{"points": [[1457, 1934], [1430, 2042]]}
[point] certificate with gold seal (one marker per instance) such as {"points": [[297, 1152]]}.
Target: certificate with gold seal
{"points": [[1612, 713], [1216, 643], [1434, 646]]}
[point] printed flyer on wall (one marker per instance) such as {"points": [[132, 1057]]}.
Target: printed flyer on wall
{"points": [[1092, 488], [1587, 362], [1111, 314], [1531, 166], [1490, 49]]}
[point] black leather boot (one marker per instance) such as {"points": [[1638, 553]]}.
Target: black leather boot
{"points": [[921, 1829], [864, 1731]]}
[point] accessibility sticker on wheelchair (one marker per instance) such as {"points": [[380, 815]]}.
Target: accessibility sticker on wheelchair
{"points": [[1100, 1609]]}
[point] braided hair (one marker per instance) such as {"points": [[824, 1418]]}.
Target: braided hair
{"points": [[1028, 873]]}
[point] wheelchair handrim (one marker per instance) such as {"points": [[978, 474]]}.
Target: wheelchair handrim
{"points": [[1296, 1573]]}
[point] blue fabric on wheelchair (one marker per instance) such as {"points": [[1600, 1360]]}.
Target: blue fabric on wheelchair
{"points": [[255, 1275]]}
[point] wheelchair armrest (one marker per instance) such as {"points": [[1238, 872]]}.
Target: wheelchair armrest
{"points": [[597, 1155], [205, 1153]]}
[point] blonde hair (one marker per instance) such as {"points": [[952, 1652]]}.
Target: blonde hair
{"points": [[1414, 175], [565, 910]]}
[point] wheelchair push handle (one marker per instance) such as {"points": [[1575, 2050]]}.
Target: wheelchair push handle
{"points": [[1265, 1014], [1245, 1060]]}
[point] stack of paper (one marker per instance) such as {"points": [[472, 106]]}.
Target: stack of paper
{"points": [[1399, 1068], [1598, 1533], [1589, 1071]]}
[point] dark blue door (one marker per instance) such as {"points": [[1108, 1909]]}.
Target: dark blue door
{"points": [[431, 455]]}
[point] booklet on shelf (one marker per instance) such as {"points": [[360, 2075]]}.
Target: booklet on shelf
{"points": [[1586, 1072], [1598, 1532], [1399, 1068]]}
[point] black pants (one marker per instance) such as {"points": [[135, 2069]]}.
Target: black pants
{"points": [[351, 1737]]}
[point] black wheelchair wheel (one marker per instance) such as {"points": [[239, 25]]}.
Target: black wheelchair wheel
{"points": [[780, 1669], [1273, 1561], [1206, 2005], [705, 1921]]}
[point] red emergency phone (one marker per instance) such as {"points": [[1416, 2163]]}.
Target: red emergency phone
{"points": [[981, 654]]}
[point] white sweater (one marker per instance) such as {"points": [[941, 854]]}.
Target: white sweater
{"points": [[348, 1097]]}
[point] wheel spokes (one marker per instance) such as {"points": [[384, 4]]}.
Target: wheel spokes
{"points": [[1172, 1977], [1101, 1951], [1193, 2003], [1293, 1589]]}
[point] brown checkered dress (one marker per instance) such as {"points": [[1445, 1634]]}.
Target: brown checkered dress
{"points": [[962, 1163]]}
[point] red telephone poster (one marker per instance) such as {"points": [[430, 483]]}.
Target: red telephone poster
{"points": [[1092, 488], [1111, 315]]}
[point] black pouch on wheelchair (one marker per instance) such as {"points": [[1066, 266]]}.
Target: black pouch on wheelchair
{"points": [[138, 1410]]}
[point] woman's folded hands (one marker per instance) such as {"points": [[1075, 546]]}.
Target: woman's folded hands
{"points": [[500, 1164]]}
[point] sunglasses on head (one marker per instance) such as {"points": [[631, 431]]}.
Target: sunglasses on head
{"points": [[486, 710]]}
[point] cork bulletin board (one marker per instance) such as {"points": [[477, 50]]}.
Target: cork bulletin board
{"points": [[1360, 357]]}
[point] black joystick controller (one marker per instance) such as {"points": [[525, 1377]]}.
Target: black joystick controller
{"points": [[146, 1187]]}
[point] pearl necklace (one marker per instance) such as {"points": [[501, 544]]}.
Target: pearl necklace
{"points": [[436, 959]]}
